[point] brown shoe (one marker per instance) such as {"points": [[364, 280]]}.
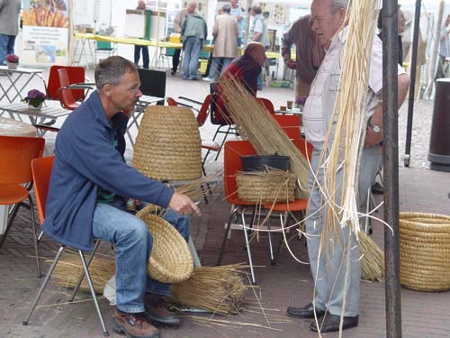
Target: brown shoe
{"points": [[156, 311], [134, 325]]}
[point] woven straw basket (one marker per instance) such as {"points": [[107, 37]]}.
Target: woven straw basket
{"points": [[170, 260], [168, 145], [425, 251], [265, 186]]}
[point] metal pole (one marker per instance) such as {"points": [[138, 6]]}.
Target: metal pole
{"points": [[391, 200], [412, 86]]}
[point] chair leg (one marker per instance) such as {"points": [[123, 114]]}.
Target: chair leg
{"points": [[91, 287], [227, 230], [283, 223], [35, 237], [11, 217], [247, 245], [80, 279], [269, 235], [44, 284]]}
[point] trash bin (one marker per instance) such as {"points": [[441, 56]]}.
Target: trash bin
{"points": [[439, 154]]}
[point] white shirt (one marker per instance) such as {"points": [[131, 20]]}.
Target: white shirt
{"points": [[320, 103]]}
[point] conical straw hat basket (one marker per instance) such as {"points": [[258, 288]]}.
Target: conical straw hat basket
{"points": [[168, 145], [425, 251], [170, 260]]}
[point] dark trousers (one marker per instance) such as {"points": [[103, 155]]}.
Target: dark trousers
{"points": [[137, 55], [176, 60]]}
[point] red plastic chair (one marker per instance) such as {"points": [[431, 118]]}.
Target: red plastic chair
{"points": [[75, 74], [41, 169], [16, 181], [67, 98], [267, 103], [290, 124]]}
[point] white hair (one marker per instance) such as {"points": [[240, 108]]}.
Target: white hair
{"points": [[339, 4]]}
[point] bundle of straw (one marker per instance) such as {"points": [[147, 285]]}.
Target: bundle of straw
{"points": [[219, 289], [372, 260], [68, 271], [262, 130], [345, 140]]}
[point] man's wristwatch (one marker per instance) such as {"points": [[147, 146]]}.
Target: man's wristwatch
{"points": [[375, 128]]}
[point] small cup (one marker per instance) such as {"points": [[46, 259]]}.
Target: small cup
{"points": [[282, 108], [289, 105]]}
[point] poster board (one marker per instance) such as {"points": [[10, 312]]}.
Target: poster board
{"points": [[45, 32], [135, 23]]}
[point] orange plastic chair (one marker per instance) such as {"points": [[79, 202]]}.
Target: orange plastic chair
{"points": [[16, 179], [290, 124], [41, 170], [76, 75], [233, 150], [267, 103], [66, 97]]}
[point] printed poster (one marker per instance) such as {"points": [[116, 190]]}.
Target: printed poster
{"points": [[45, 32]]}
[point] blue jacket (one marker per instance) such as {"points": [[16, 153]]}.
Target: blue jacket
{"points": [[85, 160]]}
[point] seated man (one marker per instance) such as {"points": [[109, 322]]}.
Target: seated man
{"points": [[246, 69], [85, 199]]}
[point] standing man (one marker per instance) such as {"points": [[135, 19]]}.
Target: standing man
{"points": [[177, 27], [194, 33], [309, 55], [9, 26], [139, 48], [225, 34], [337, 286], [236, 13], [444, 51], [258, 33], [88, 190]]}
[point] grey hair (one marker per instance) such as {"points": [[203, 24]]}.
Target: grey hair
{"points": [[111, 70], [339, 4], [226, 8]]}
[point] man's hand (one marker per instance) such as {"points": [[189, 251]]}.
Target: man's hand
{"points": [[183, 205], [291, 64]]}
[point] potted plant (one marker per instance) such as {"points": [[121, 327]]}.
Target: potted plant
{"points": [[35, 98], [12, 61]]}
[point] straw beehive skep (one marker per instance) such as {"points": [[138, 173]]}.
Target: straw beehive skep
{"points": [[168, 145], [262, 130]]}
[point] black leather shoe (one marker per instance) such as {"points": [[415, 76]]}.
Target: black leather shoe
{"points": [[330, 323], [305, 312]]}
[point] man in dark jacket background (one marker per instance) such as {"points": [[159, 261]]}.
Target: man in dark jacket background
{"points": [[89, 186]]}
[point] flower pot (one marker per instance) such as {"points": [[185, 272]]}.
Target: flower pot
{"points": [[30, 106], [12, 65]]}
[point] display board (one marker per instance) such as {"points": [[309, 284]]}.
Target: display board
{"points": [[45, 32]]}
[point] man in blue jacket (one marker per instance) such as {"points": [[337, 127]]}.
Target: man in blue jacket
{"points": [[89, 186]]}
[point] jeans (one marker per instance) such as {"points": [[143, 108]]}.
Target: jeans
{"points": [[191, 47], [176, 60], [6, 46], [133, 245], [137, 55], [218, 65], [328, 265]]}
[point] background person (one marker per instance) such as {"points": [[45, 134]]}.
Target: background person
{"points": [[89, 186], [194, 33], [177, 26], [9, 26], [139, 48], [443, 69]]}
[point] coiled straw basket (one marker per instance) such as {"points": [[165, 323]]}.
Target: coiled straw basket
{"points": [[425, 251], [168, 145], [170, 260]]}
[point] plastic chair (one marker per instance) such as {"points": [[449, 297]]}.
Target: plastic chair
{"points": [[16, 154], [66, 97], [75, 74], [233, 150], [41, 169], [267, 103], [290, 124]]}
